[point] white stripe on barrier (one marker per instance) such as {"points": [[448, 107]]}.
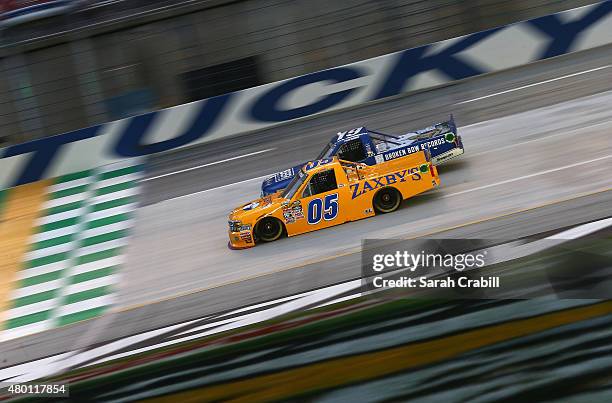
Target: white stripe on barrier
{"points": [[56, 233], [91, 284], [38, 253], [59, 216], [98, 302], [64, 200], [124, 209], [31, 309], [26, 330], [118, 180], [58, 187], [40, 270], [36, 289], [114, 196], [101, 247], [98, 264], [583, 230], [118, 226]]}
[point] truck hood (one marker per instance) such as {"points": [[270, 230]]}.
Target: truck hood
{"points": [[279, 180], [255, 208]]}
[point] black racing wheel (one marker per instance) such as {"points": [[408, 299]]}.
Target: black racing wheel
{"points": [[387, 200], [269, 229]]}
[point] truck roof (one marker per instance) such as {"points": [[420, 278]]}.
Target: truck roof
{"points": [[318, 165]]}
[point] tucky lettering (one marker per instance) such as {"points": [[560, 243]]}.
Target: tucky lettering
{"points": [[267, 107], [131, 143], [563, 35], [412, 62], [44, 151], [364, 187]]}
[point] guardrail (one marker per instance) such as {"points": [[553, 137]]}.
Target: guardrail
{"points": [[308, 95]]}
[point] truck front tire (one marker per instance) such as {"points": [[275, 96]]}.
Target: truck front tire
{"points": [[268, 229]]}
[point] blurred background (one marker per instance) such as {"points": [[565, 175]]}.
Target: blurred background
{"points": [[66, 64], [121, 273]]}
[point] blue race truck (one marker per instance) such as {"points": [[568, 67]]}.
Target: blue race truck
{"points": [[371, 147]]}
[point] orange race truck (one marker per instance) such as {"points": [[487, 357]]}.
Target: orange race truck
{"points": [[329, 192]]}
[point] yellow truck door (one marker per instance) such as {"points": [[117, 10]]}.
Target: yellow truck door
{"points": [[323, 200]]}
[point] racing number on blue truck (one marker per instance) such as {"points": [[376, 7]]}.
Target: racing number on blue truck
{"points": [[316, 210]]}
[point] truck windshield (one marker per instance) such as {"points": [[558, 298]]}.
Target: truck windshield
{"points": [[294, 185]]}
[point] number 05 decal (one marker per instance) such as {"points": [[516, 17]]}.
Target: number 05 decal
{"points": [[316, 210]]}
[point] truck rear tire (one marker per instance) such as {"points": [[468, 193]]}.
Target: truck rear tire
{"points": [[387, 200]]}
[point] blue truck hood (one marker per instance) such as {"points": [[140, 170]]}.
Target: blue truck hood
{"points": [[279, 180]]}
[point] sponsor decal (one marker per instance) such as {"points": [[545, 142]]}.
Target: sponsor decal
{"points": [[293, 212], [318, 163], [251, 206], [401, 152], [351, 134], [236, 226], [284, 175], [432, 143], [391, 155], [246, 236], [364, 187]]}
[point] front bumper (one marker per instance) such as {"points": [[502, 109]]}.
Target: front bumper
{"points": [[241, 240]]}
